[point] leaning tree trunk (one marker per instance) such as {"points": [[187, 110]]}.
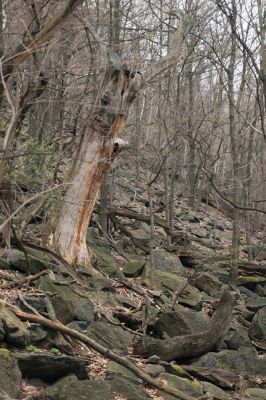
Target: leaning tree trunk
{"points": [[100, 145]]}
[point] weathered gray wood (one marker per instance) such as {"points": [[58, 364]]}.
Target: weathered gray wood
{"points": [[194, 344]]}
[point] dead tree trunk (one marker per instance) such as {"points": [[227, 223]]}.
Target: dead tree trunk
{"points": [[195, 344], [100, 145]]}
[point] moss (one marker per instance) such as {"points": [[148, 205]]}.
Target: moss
{"points": [[251, 279], [194, 383], [5, 354], [178, 370]]}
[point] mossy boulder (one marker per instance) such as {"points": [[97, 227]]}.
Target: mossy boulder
{"points": [[175, 369], [257, 329], [124, 382], [103, 258], [255, 394], [219, 270], [158, 279], [250, 281], [10, 375], [244, 360], [111, 336], [67, 304], [256, 303], [176, 323], [134, 266], [214, 391], [16, 332], [70, 388], [16, 260], [49, 367], [207, 282], [167, 281], [168, 262], [191, 388]]}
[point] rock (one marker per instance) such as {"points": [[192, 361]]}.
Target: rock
{"points": [[101, 284], [175, 369], [4, 265], [168, 262], [37, 333], [206, 282], [160, 233], [175, 323], [134, 266], [161, 279], [141, 235], [124, 382], [10, 375], [114, 369], [256, 303], [257, 329], [110, 336], [50, 367], [57, 340], [255, 394], [106, 262], [70, 388], [188, 217], [191, 388], [214, 225], [164, 280], [16, 261], [258, 252], [251, 281], [103, 257], [2, 331], [67, 304], [127, 388], [237, 337], [214, 391], [191, 297], [80, 326], [36, 303], [244, 360], [154, 369], [126, 301], [218, 270], [106, 298], [16, 332], [244, 312], [167, 281], [200, 232], [247, 293]]}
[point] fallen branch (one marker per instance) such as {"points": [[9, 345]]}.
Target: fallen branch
{"points": [[58, 327], [29, 278]]}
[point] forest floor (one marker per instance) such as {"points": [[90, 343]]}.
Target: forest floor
{"points": [[65, 334]]}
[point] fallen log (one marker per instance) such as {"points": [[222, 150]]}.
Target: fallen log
{"points": [[182, 238], [191, 345]]}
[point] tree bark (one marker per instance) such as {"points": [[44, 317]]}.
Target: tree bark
{"points": [[100, 145], [192, 345]]}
